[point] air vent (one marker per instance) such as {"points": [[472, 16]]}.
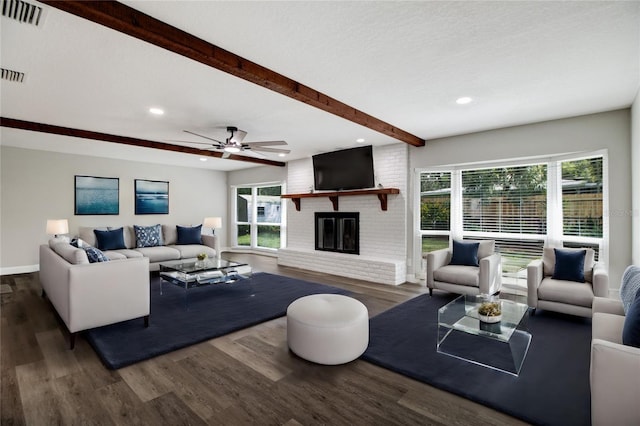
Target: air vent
{"points": [[22, 11], [10, 75]]}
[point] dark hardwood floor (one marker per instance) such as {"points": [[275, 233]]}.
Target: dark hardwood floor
{"points": [[248, 377]]}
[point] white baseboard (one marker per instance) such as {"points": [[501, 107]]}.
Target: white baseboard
{"points": [[13, 270]]}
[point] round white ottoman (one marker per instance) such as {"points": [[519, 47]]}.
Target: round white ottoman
{"points": [[327, 328]]}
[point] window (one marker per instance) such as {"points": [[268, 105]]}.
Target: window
{"points": [[435, 210], [259, 217], [520, 206]]}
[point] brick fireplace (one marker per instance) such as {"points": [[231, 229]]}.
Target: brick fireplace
{"points": [[382, 245]]}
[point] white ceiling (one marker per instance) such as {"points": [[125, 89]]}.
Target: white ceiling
{"points": [[403, 62]]}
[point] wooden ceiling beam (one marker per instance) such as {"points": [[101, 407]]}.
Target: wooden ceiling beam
{"points": [[134, 23], [125, 140]]}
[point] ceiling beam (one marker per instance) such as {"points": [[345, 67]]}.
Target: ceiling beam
{"points": [[125, 140], [134, 23]]}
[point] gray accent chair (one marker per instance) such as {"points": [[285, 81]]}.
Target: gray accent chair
{"points": [[463, 279], [615, 368], [569, 297]]}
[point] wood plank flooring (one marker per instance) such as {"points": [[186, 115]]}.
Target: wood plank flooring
{"points": [[245, 378]]}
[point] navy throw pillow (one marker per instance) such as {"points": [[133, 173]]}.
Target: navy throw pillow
{"points": [[465, 254], [189, 235], [631, 328], [110, 240], [569, 265], [95, 255]]}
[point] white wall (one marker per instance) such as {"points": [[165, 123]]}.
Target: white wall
{"points": [[635, 177], [39, 185], [609, 130]]}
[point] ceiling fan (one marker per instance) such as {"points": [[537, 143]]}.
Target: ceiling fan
{"points": [[234, 144]]}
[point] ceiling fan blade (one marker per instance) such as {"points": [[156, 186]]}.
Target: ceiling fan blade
{"points": [[202, 136], [226, 154], [251, 153], [266, 143], [192, 142], [274, 150], [238, 136]]}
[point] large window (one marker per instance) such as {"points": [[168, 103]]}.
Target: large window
{"points": [[258, 217], [521, 206]]}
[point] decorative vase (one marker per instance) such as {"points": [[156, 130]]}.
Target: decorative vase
{"points": [[490, 319]]}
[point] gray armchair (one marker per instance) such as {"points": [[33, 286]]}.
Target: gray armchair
{"points": [[569, 297], [615, 368], [463, 279]]}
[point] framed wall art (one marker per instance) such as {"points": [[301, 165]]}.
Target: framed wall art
{"points": [[96, 195], [151, 197]]}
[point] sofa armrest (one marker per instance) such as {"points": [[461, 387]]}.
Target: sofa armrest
{"points": [[108, 292], [490, 278], [607, 306], [615, 383], [600, 281], [435, 259], [534, 278], [212, 241]]}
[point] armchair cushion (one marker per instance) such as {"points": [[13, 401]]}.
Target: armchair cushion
{"points": [[549, 261], [568, 292], [631, 329], [465, 253], [457, 274], [569, 265]]}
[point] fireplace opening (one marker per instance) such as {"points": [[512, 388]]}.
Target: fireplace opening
{"points": [[339, 232]]}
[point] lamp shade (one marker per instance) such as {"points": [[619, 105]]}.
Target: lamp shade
{"points": [[212, 222], [57, 226]]}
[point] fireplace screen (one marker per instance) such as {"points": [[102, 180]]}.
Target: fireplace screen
{"points": [[338, 232]]}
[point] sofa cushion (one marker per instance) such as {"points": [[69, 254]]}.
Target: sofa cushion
{"points": [[569, 292], [458, 274], [159, 254], [124, 253], [128, 234], [189, 235], [71, 254], [148, 236], [464, 253], [629, 286], [631, 329], [486, 247], [569, 265], [95, 255], [549, 261], [115, 255], [169, 234], [192, 250], [110, 240], [86, 233]]}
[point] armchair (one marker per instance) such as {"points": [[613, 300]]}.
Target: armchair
{"points": [[465, 279], [615, 368], [562, 295]]}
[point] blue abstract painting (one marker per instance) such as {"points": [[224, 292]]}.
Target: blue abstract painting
{"points": [[152, 197], [96, 195]]}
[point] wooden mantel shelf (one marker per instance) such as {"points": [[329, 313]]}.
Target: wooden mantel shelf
{"points": [[382, 194]]}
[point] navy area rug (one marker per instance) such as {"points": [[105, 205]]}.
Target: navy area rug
{"points": [[213, 311], [553, 385]]}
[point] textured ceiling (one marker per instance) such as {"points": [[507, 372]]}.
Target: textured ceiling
{"points": [[403, 62]]}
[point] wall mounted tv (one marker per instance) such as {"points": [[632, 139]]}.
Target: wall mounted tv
{"points": [[345, 169]]}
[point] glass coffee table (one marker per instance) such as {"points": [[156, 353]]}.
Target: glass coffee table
{"points": [[502, 345], [192, 273]]}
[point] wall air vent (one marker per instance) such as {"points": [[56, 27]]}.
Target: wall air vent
{"points": [[22, 11], [10, 75]]}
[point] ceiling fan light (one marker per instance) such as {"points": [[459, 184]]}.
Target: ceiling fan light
{"points": [[231, 148]]}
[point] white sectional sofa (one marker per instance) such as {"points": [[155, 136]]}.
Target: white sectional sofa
{"points": [[88, 295], [170, 250]]}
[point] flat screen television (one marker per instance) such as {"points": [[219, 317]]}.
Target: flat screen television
{"points": [[345, 169]]}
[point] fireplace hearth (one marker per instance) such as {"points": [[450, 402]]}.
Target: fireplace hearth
{"points": [[339, 232]]}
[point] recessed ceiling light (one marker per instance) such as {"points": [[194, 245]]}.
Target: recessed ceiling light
{"points": [[282, 154], [156, 111], [359, 140], [203, 159], [463, 100]]}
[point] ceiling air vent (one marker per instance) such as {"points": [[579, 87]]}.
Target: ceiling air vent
{"points": [[12, 75], [22, 11]]}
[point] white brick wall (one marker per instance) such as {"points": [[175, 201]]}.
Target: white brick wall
{"points": [[383, 239]]}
